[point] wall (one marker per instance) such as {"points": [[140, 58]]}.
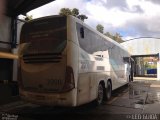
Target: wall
{"points": [[5, 34], [15, 50], [5, 40], [142, 46]]}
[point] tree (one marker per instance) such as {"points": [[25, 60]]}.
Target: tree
{"points": [[73, 12], [65, 11], [100, 28], [116, 37], [82, 17], [28, 17], [108, 34]]}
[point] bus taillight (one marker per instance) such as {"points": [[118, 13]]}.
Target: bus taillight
{"points": [[69, 79]]}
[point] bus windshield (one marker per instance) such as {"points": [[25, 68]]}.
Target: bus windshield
{"points": [[47, 36]]}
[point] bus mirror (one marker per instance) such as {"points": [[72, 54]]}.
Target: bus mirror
{"points": [[82, 32]]}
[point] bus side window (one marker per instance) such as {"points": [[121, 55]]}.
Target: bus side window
{"points": [[82, 32]]}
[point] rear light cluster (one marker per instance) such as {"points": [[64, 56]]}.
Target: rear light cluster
{"points": [[69, 79], [68, 85]]}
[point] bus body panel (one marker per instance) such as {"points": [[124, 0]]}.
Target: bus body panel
{"points": [[42, 77], [50, 99], [118, 70], [98, 60], [43, 45], [72, 48]]}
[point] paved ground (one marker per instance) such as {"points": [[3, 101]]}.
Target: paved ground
{"points": [[138, 100], [8, 93]]}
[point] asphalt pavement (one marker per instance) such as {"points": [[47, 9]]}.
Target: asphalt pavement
{"points": [[139, 99]]}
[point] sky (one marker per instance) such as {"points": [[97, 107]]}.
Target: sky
{"points": [[130, 18]]}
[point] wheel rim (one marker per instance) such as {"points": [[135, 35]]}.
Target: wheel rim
{"points": [[100, 94]]}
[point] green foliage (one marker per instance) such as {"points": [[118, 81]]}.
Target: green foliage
{"points": [[116, 37], [73, 12], [28, 17], [65, 11], [100, 28], [82, 17], [150, 66]]}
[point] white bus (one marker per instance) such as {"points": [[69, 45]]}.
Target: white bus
{"points": [[64, 62]]}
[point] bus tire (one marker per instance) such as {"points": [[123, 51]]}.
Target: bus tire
{"points": [[130, 80], [100, 95], [108, 90]]}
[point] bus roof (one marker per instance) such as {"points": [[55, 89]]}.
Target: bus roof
{"points": [[100, 34], [87, 26]]}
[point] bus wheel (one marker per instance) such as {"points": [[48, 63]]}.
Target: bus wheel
{"points": [[100, 96], [130, 80], [109, 90]]}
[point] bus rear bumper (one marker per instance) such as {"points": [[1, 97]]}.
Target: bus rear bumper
{"points": [[67, 99]]}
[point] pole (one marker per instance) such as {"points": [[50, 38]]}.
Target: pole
{"points": [[158, 67]]}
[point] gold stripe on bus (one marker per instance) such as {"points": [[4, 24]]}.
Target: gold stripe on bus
{"points": [[8, 55]]}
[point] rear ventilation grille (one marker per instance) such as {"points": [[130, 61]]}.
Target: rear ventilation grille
{"points": [[42, 58]]}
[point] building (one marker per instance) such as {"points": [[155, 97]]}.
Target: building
{"points": [[9, 37], [145, 52]]}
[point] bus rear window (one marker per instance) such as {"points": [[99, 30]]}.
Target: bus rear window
{"points": [[45, 35]]}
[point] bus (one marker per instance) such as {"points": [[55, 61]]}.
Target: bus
{"points": [[64, 62]]}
